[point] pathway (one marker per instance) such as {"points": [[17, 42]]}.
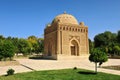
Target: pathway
{"points": [[31, 64]]}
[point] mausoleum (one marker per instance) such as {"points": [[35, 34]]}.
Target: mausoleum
{"points": [[65, 38]]}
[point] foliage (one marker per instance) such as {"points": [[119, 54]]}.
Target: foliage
{"points": [[10, 72], [41, 45], [65, 74], [116, 49], [104, 39], [91, 45], [15, 42], [108, 41], [1, 37], [36, 44], [97, 56], [7, 49], [33, 42], [23, 46], [118, 36]]}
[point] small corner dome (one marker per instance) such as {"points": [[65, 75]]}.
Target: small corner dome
{"points": [[65, 19], [82, 23]]}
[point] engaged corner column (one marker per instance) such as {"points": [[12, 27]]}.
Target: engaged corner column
{"points": [[58, 42]]}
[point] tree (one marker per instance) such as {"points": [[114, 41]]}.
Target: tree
{"points": [[91, 45], [118, 36], [1, 50], [7, 49], [33, 43], [1, 37], [39, 46], [42, 46], [23, 46], [104, 39], [15, 42], [97, 56], [116, 49], [99, 40]]}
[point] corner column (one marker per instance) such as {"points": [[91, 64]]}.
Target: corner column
{"points": [[58, 41]]}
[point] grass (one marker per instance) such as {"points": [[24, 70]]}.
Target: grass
{"points": [[65, 74]]}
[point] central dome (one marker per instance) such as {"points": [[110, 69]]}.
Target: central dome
{"points": [[65, 19]]}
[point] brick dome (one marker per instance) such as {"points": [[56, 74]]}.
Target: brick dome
{"points": [[65, 19]]}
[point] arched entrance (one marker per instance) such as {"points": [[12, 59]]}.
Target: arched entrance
{"points": [[74, 48]]}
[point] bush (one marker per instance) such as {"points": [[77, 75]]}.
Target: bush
{"points": [[74, 68], [10, 71]]}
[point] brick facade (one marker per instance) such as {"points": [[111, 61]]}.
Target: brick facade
{"points": [[64, 37]]}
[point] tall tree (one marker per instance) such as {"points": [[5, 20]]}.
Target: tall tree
{"points": [[104, 39], [41, 45], [15, 42], [118, 37], [91, 45]]}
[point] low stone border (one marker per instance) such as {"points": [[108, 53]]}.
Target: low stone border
{"points": [[115, 67], [9, 63]]}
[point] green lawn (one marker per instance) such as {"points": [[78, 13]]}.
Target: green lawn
{"points": [[65, 74]]}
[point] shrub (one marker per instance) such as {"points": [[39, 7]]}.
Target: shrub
{"points": [[10, 71], [74, 68]]}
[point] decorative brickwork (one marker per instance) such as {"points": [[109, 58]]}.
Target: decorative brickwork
{"points": [[64, 37]]}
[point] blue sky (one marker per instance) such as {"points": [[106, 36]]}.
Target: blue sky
{"points": [[23, 18]]}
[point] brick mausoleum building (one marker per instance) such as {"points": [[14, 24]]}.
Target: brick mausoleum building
{"points": [[64, 38]]}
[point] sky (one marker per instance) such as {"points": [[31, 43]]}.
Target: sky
{"points": [[23, 18]]}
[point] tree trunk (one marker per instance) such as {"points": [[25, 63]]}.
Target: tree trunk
{"points": [[95, 67]]}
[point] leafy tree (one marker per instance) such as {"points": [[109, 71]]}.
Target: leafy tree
{"points": [[37, 44], [97, 56], [23, 46], [91, 45], [33, 43], [1, 50], [99, 40], [2, 37], [118, 36], [39, 47], [41, 44], [7, 49], [104, 39], [116, 49], [15, 42]]}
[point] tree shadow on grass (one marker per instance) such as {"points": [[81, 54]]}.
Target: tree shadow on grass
{"points": [[87, 72]]}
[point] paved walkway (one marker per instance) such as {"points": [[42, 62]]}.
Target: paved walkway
{"points": [[31, 64]]}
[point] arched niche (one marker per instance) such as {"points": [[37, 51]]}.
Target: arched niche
{"points": [[74, 48]]}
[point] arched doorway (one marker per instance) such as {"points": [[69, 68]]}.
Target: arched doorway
{"points": [[74, 48]]}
